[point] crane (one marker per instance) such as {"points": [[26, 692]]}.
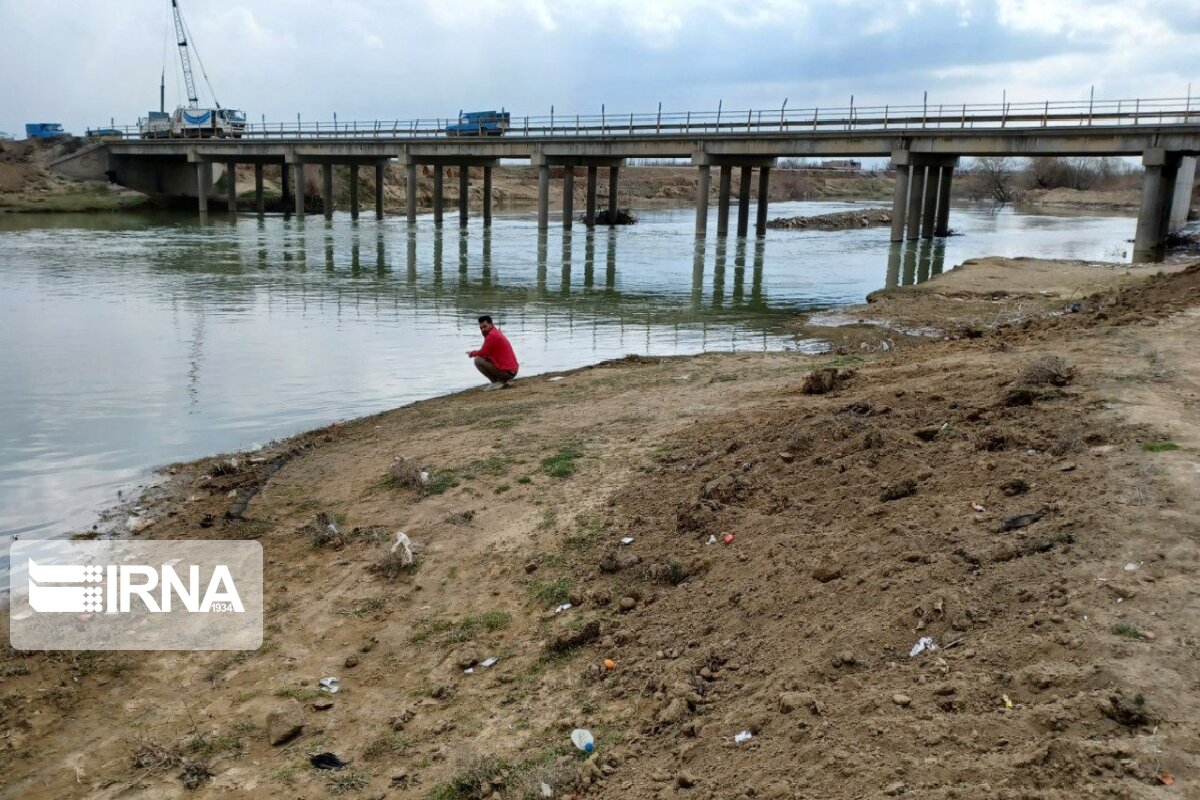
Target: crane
{"points": [[184, 58]]}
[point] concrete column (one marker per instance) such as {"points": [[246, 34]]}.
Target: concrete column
{"points": [[568, 196], [259, 203], [298, 193], [932, 192], [437, 194], [543, 196], [764, 177], [464, 193], [231, 187], [702, 188], [589, 214], [202, 185], [916, 200], [410, 191], [327, 189], [723, 189], [900, 195], [487, 196], [1151, 228], [613, 175], [1181, 203], [380, 175], [354, 191], [744, 202], [941, 226], [285, 182]]}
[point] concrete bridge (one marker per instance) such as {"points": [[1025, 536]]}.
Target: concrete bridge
{"points": [[924, 144]]}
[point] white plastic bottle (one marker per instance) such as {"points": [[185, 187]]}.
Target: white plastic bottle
{"points": [[582, 739]]}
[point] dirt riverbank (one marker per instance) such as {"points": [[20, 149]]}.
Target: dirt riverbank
{"points": [[1018, 486]]}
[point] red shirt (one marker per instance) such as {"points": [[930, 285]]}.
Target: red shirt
{"points": [[497, 350]]}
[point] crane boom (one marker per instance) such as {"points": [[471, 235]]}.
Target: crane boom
{"points": [[184, 58]]}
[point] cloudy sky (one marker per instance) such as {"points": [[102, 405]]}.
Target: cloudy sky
{"points": [[82, 62]]}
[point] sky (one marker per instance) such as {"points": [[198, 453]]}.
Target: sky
{"points": [[86, 62]]}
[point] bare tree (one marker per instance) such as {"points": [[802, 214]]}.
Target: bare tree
{"points": [[996, 172]]}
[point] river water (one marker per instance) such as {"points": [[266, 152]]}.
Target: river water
{"points": [[128, 342]]}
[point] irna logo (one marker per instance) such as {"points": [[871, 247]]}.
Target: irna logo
{"points": [[118, 588]]}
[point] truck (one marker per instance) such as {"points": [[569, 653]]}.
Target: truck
{"points": [[44, 130], [193, 123], [479, 123]]}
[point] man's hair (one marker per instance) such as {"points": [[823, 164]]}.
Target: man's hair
{"points": [[485, 318]]}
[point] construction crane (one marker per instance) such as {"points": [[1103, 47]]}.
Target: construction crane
{"points": [[184, 58]]}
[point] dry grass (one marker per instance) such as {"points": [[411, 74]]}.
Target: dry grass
{"points": [[1047, 370]]}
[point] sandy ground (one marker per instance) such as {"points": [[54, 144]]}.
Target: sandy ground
{"points": [[863, 519]]}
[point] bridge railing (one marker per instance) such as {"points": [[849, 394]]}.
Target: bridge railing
{"points": [[925, 116]]}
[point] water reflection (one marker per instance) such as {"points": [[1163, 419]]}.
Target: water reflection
{"points": [[913, 262]]}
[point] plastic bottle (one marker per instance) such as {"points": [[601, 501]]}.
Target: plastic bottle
{"points": [[582, 739]]}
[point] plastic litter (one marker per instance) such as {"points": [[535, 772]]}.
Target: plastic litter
{"points": [[1166, 779], [562, 608], [1007, 703], [555, 378], [469, 671], [424, 476], [744, 736], [545, 787], [712, 538], [487, 662], [331, 685], [582, 738], [978, 508], [404, 545], [627, 540], [923, 644], [610, 664], [1130, 567], [327, 761], [728, 538]]}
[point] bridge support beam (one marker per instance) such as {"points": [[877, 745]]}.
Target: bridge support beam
{"points": [[380, 174], [902, 162], [487, 196], [543, 196], [589, 214], [327, 189], [437, 195], [568, 210], [259, 203], [744, 202], [298, 167], [464, 189], [764, 177], [613, 175], [941, 225], [285, 185], [203, 179], [702, 189], [231, 187], [1181, 203], [932, 193], [410, 191], [724, 186], [354, 191], [916, 201], [1158, 192]]}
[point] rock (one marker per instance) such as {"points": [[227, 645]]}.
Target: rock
{"points": [[820, 381], [465, 659], [572, 639], [787, 458], [400, 720], [827, 572], [685, 779], [285, 722], [902, 700], [531, 567], [323, 704], [1022, 521], [895, 789], [351, 662], [792, 701], [776, 790], [846, 658], [905, 487], [675, 711], [1070, 466], [627, 604]]}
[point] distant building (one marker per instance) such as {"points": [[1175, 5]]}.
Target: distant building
{"points": [[842, 164]]}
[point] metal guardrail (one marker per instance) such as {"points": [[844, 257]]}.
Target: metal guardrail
{"points": [[965, 116]]}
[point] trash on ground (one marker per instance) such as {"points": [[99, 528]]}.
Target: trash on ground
{"points": [[1130, 567], [1166, 779], [683, 377], [728, 538], [136, 524], [330, 684], [556, 378], [327, 761], [487, 662], [582, 738], [546, 790], [1007, 703], [469, 671], [424, 476], [923, 644], [610, 664], [1022, 521], [744, 736], [404, 545], [627, 540], [562, 608], [978, 507], [712, 538]]}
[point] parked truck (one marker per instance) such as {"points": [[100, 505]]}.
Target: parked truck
{"points": [[479, 123], [193, 123], [44, 130]]}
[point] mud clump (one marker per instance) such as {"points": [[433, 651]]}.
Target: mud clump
{"points": [[821, 381]]}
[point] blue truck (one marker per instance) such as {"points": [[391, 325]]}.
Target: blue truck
{"points": [[44, 130], [479, 123]]}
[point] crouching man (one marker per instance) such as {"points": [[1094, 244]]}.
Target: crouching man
{"points": [[495, 359]]}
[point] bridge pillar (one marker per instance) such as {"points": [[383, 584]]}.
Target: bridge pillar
{"points": [[231, 187], [299, 189], [744, 202], [543, 196], [702, 188], [589, 215], [259, 205], [1181, 203], [285, 181], [410, 191], [916, 200], [941, 226], [354, 191], [327, 189], [380, 174], [724, 186], [203, 179], [437, 194], [613, 175], [760, 226], [902, 162], [487, 196], [932, 193], [464, 189], [568, 196], [1158, 191]]}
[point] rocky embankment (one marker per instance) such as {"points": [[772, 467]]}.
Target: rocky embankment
{"points": [[838, 221]]}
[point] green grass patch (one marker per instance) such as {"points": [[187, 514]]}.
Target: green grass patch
{"points": [[300, 693], [502, 488], [586, 535], [552, 593], [562, 463], [1159, 447], [441, 481], [362, 608], [492, 465], [391, 744], [461, 630], [1128, 630], [524, 480]]}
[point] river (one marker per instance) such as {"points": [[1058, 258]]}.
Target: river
{"points": [[131, 341]]}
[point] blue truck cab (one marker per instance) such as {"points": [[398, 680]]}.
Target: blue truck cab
{"points": [[479, 123], [43, 130]]}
